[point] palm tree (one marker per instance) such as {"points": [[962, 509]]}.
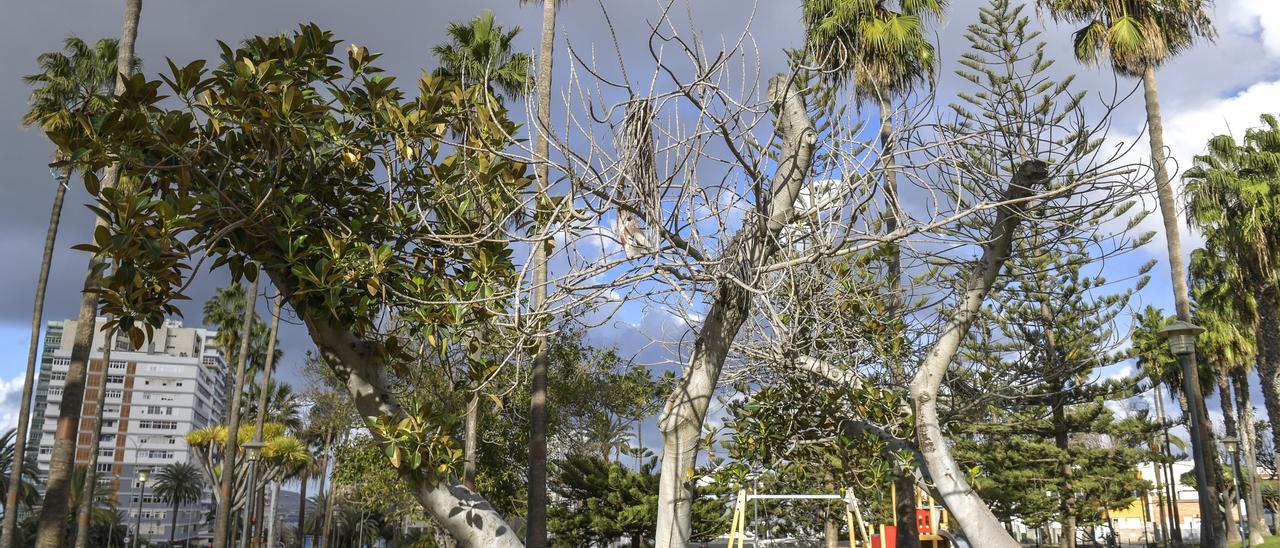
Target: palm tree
{"points": [[1136, 36], [284, 406], [224, 311], [103, 502], [58, 486], [25, 494], [1228, 315], [536, 516], [885, 54], [230, 451], [1231, 194], [179, 482], [72, 83], [480, 52]]}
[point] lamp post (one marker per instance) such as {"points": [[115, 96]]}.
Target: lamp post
{"points": [[143, 475], [1181, 336], [251, 451], [1232, 445]]}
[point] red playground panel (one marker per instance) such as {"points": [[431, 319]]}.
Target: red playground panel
{"points": [[890, 539], [924, 525]]}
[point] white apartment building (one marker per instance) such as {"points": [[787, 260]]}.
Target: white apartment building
{"points": [[156, 394]]}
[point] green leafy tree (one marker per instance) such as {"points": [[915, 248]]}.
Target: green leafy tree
{"points": [[365, 216], [181, 484], [25, 492]]}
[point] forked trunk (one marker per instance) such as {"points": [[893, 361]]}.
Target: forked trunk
{"points": [[28, 380], [980, 525], [1210, 529], [53, 513], [752, 247]]}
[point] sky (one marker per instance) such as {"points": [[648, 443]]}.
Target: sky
{"points": [[1214, 88]]}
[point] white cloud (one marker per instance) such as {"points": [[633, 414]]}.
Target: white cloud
{"points": [[1261, 17], [10, 398]]}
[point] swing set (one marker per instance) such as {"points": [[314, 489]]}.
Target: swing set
{"points": [[931, 519]]}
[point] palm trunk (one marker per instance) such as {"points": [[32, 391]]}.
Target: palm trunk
{"points": [[302, 507], [324, 472], [329, 503], [1265, 339], [1202, 454], [1171, 483], [222, 522], [1156, 468], [904, 481], [1248, 449], [53, 514], [24, 407], [91, 469], [1230, 426], [267, 369], [536, 518], [173, 523], [974, 517], [271, 514]]}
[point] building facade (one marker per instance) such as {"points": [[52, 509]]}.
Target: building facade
{"points": [[154, 395]]}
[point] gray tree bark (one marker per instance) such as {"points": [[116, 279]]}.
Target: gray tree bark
{"points": [[53, 513], [85, 511], [755, 243], [1249, 452], [978, 522]]}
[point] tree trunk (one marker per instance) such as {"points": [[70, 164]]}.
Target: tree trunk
{"points": [[53, 513], [91, 469], [1171, 483], [903, 480], [329, 502], [470, 443], [173, 523], [831, 532], [28, 381], [971, 513], [1067, 504], [271, 514], [263, 401], [222, 523], [1229, 425], [1205, 468], [1249, 451], [536, 516], [1265, 339], [753, 246], [1156, 468], [302, 507]]}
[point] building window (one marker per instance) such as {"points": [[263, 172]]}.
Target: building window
{"points": [[115, 393], [45, 450], [58, 376], [115, 379], [62, 361], [106, 452], [117, 365], [154, 410], [104, 467], [55, 391]]}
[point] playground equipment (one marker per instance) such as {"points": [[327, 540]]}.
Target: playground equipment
{"points": [[932, 520]]}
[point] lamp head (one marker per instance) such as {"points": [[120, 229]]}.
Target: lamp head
{"points": [[253, 449], [144, 475], [1231, 444], [1182, 337]]}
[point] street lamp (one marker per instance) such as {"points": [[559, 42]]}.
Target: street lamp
{"points": [[1181, 336], [143, 475], [252, 449], [1232, 445]]}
